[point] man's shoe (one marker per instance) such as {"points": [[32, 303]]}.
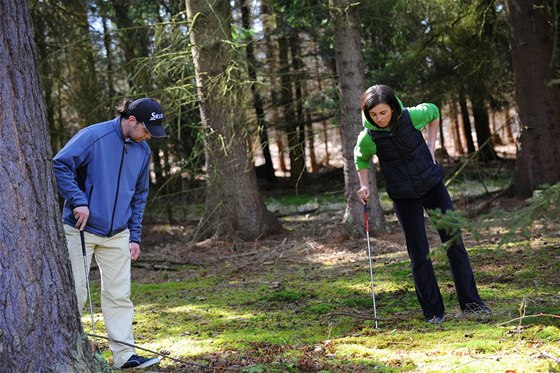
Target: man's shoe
{"points": [[136, 361], [436, 320]]}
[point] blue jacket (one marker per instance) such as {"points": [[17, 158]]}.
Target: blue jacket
{"points": [[100, 169]]}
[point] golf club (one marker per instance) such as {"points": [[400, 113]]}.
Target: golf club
{"points": [[366, 225], [82, 238]]}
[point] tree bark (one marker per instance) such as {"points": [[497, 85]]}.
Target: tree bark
{"points": [[454, 129], [136, 42], [107, 45], [482, 128], [534, 68], [466, 124], [287, 103], [257, 99], [297, 77], [84, 83], [40, 328], [234, 208], [351, 81]]}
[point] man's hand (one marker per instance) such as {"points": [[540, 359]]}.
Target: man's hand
{"points": [[134, 250], [81, 214]]}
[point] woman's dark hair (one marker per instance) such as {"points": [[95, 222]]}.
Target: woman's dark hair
{"points": [[380, 94], [122, 108]]}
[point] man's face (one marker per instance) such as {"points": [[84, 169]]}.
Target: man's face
{"points": [[138, 132]]}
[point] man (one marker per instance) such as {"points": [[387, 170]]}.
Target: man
{"points": [[103, 175]]}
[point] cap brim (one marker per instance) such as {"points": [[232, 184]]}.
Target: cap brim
{"points": [[156, 131]]}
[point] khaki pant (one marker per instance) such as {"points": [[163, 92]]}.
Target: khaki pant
{"points": [[112, 255]]}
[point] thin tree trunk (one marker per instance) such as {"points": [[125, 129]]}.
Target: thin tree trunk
{"points": [[107, 43], [136, 43], [310, 136], [457, 136], [40, 327], [156, 159], [257, 99], [323, 122], [269, 24], [454, 130], [83, 75], [466, 124], [287, 104], [508, 130], [482, 127], [281, 151], [297, 77], [46, 71], [351, 80]]}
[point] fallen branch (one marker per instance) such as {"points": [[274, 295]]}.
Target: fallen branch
{"points": [[553, 358], [528, 316], [162, 354]]}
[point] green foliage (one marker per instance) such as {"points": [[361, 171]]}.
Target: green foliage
{"points": [[450, 222], [540, 212]]}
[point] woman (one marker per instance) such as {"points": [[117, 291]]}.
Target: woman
{"points": [[414, 181]]}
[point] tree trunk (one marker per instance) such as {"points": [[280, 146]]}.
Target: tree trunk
{"points": [[268, 19], [40, 328], [466, 124], [310, 138], [257, 99], [297, 77], [534, 67], [136, 42], [45, 70], [351, 80], [107, 45], [83, 81], [482, 128], [156, 160], [323, 122], [508, 125], [454, 129], [287, 104], [234, 208]]}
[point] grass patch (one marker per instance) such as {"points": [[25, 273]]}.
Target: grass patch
{"points": [[306, 324]]}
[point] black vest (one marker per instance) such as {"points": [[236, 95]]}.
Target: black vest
{"points": [[406, 161]]}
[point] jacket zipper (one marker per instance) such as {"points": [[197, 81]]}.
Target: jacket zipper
{"points": [[118, 188]]}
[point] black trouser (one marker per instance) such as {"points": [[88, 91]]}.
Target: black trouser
{"points": [[410, 213]]}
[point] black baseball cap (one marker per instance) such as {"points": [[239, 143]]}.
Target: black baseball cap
{"points": [[149, 112]]}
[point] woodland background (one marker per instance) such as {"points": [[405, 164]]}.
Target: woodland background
{"points": [[261, 100], [274, 64]]}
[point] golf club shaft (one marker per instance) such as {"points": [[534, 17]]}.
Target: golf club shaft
{"points": [[84, 254], [366, 225]]}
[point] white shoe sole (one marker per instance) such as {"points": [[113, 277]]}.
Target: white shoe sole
{"points": [[148, 363]]}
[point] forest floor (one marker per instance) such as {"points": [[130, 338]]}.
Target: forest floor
{"points": [[301, 301]]}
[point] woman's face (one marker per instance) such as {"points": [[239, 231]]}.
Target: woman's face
{"points": [[381, 115]]}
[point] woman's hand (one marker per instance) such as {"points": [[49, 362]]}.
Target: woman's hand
{"points": [[363, 194]]}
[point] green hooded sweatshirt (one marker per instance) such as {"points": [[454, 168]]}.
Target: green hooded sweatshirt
{"points": [[365, 148]]}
